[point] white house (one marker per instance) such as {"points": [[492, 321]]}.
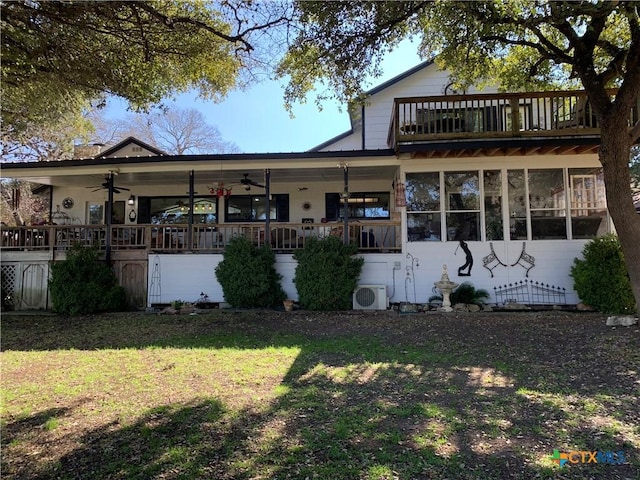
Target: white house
{"points": [[503, 188]]}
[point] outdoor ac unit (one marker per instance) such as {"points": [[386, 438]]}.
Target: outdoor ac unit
{"points": [[370, 297]]}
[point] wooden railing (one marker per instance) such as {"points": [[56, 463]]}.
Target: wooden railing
{"points": [[556, 113], [370, 236]]}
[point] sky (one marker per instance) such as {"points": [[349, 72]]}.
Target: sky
{"points": [[257, 122]]}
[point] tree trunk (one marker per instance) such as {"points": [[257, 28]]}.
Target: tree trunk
{"points": [[614, 155]]}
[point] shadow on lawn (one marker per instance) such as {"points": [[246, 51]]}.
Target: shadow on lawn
{"points": [[370, 406]]}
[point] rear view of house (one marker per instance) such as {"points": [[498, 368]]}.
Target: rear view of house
{"points": [[503, 188]]}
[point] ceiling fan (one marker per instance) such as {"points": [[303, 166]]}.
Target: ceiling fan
{"points": [[247, 182], [105, 185]]}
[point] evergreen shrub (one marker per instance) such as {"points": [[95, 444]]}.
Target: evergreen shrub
{"points": [[248, 275], [327, 274], [83, 284], [601, 279]]}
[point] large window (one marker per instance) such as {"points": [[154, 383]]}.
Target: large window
{"points": [[493, 204], [538, 204], [164, 210], [588, 204], [462, 193], [547, 203], [253, 208], [424, 220], [362, 205]]}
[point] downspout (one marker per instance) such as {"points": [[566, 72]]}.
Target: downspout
{"points": [[109, 215], [190, 217], [267, 193]]}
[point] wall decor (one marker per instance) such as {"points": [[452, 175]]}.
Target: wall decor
{"points": [[491, 261], [468, 257]]}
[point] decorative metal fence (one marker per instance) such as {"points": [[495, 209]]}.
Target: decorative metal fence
{"points": [[528, 292]]}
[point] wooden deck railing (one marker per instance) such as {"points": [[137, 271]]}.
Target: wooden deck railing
{"points": [[500, 115], [371, 236]]}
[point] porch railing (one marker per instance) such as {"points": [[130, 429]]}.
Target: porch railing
{"points": [[500, 115], [370, 236]]}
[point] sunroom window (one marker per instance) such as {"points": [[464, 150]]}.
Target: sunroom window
{"points": [[424, 220], [462, 195], [588, 202], [548, 204]]}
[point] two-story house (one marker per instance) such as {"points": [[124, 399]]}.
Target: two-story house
{"points": [[503, 188]]}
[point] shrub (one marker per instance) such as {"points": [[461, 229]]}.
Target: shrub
{"points": [[467, 293], [327, 273], [601, 279], [248, 275], [83, 284]]}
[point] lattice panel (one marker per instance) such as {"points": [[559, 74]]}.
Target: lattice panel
{"points": [[9, 281]]}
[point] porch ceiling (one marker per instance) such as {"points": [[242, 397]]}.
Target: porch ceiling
{"points": [[132, 177]]}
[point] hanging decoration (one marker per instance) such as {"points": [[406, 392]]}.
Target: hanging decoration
{"points": [[220, 190], [401, 199]]}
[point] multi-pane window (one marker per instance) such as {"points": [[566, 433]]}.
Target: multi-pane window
{"points": [[536, 203], [362, 205], [424, 218], [588, 204], [547, 203], [462, 195], [492, 180], [163, 210], [253, 208], [517, 195]]}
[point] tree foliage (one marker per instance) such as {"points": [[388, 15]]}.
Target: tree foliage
{"points": [[57, 56], [512, 43]]}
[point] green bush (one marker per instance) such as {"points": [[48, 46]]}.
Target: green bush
{"points": [[83, 284], [601, 279], [465, 293], [327, 274], [248, 275]]}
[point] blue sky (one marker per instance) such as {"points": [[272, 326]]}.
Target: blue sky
{"points": [[257, 122]]}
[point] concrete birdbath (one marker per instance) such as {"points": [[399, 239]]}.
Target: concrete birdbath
{"points": [[445, 286]]}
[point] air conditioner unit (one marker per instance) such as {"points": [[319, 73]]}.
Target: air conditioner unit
{"points": [[370, 297]]}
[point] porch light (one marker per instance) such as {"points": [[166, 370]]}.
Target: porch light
{"points": [[132, 200]]}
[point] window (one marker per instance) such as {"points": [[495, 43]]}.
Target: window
{"points": [[536, 202], [95, 214], [463, 205], [517, 193], [364, 205], [548, 204], [252, 208], [493, 204], [588, 203], [163, 210], [424, 220]]}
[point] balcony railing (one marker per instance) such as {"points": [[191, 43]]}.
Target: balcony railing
{"points": [[371, 236], [500, 115]]}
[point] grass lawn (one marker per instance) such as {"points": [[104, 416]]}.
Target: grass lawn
{"points": [[302, 395]]}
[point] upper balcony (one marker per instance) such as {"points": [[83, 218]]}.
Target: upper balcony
{"points": [[482, 121]]}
